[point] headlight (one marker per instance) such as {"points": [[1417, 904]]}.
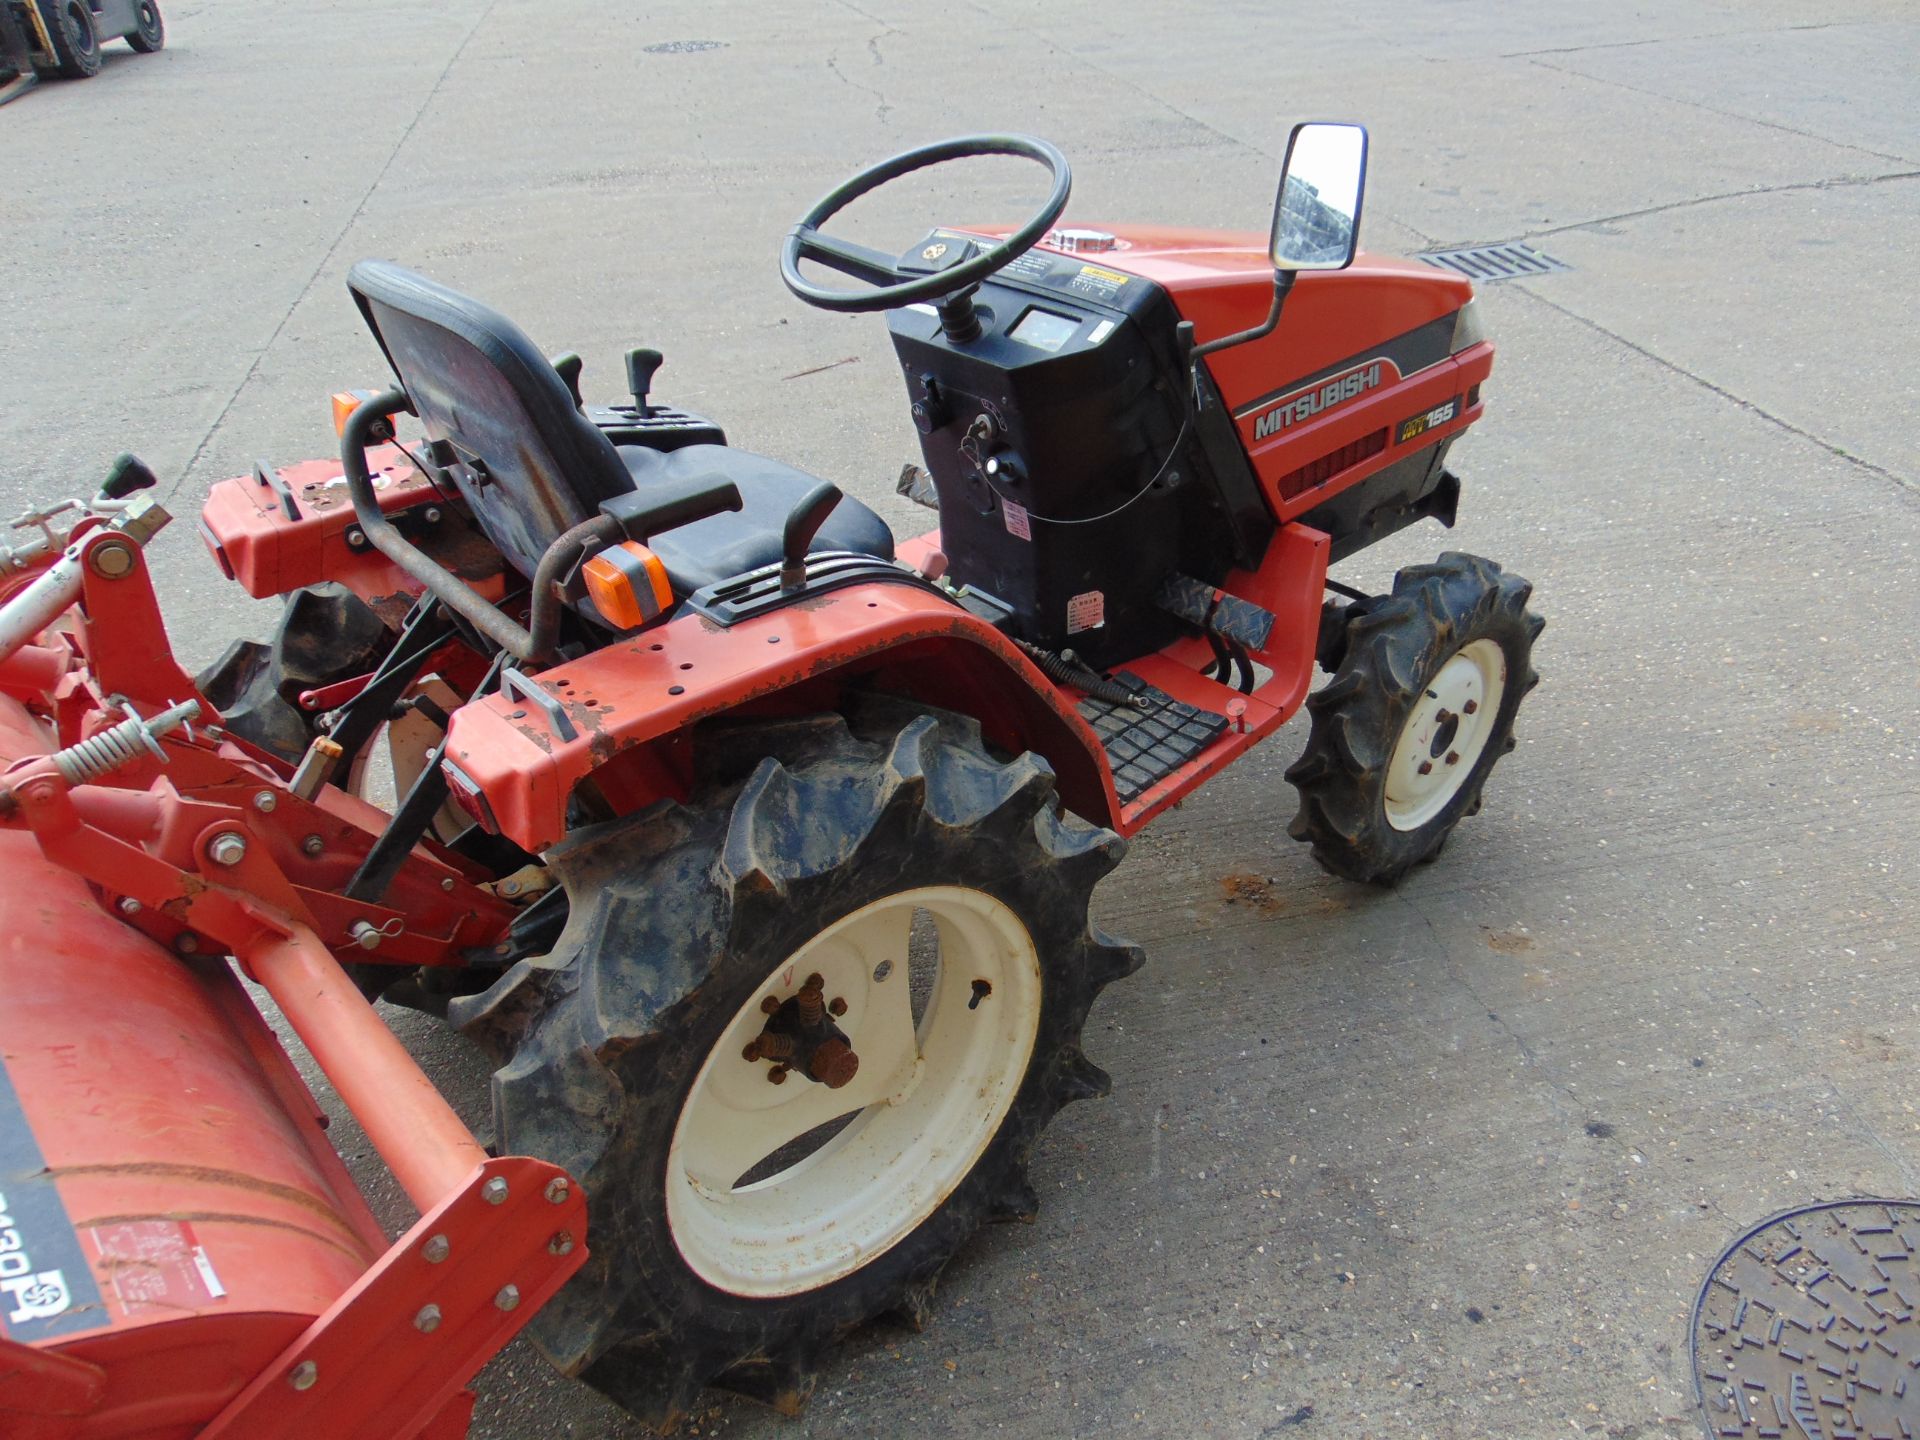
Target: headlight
{"points": [[1467, 329]]}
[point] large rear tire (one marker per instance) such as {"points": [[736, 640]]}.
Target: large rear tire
{"points": [[733, 1241], [1419, 710]]}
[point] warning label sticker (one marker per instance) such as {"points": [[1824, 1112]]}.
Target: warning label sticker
{"points": [[1087, 611], [1017, 523], [156, 1265], [1098, 281]]}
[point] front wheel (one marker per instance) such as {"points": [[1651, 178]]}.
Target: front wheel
{"points": [[799, 1039], [1420, 709], [76, 43], [150, 31]]}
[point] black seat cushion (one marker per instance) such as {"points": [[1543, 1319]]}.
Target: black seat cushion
{"points": [[723, 546]]}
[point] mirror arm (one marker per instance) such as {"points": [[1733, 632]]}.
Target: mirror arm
{"points": [[1282, 283]]}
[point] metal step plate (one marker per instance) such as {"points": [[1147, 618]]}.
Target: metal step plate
{"points": [[1483, 264], [1806, 1328], [1146, 746]]}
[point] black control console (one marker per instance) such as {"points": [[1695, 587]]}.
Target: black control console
{"points": [[1073, 471]]}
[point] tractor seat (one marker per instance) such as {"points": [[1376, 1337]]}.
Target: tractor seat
{"points": [[722, 546]]}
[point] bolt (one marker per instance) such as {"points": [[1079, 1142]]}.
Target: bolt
{"points": [[557, 1190], [229, 847], [304, 1375], [494, 1192], [111, 559], [778, 1075], [1426, 767], [811, 1000], [769, 1047], [264, 801], [433, 515], [447, 884], [127, 905], [312, 846], [1443, 715], [186, 942], [509, 887], [560, 1244], [435, 1250], [508, 1298], [428, 1320], [356, 538], [769, 1005], [1472, 707], [836, 1006], [834, 1063], [1453, 757]]}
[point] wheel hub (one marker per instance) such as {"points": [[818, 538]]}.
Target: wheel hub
{"points": [[777, 1188], [1445, 734], [799, 1036]]}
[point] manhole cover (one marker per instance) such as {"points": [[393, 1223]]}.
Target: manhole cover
{"points": [[1806, 1329], [1483, 264], [683, 47]]}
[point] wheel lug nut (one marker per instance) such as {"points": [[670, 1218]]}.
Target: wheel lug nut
{"points": [[769, 1005], [1443, 716], [1472, 707], [778, 1075], [837, 1006], [1426, 767], [1453, 757]]}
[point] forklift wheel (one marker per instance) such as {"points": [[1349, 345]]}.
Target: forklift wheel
{"points": [[152, 32], [798, 1039], [1419, 710], [76, 44]]}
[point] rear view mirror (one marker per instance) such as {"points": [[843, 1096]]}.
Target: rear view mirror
{"points": [[1316, 220]]}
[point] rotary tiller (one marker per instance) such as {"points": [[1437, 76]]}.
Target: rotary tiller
{"points": [[755, 846]]}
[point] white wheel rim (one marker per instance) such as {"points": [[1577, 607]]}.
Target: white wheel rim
{"points": [[1445, 735], [930, 1098]]}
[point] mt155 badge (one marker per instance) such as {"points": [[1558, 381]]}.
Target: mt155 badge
{"points": [[1317, 399]]}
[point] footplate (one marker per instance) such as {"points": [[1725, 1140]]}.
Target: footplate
{"points": [[1144, 746]]}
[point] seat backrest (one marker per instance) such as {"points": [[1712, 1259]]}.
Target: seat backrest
{"points": [[532, 466]]}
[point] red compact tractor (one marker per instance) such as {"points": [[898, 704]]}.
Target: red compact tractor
{"points": [[756, 845]]}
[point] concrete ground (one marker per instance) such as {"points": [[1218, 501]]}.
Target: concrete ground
{"points": [[1447, 1161]]}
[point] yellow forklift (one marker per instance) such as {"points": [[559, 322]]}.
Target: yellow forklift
{"points": [[63, 37]]}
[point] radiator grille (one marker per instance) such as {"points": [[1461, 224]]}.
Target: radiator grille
{"points": [[1318, 472]]}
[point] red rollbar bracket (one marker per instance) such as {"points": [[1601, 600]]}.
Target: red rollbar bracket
{"points": [[397, 1350]]}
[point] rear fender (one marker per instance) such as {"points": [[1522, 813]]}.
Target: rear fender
{"points": [[625, 715]]}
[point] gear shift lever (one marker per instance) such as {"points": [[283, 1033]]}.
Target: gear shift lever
{"points": [[641, 365]]}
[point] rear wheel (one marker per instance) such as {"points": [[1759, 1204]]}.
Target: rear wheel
{"points": [[76, 44], [150, 33], [1420, 709], [799, 1039]]}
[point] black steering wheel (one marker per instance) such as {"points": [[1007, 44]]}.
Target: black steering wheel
{"points": [[892, 285]]}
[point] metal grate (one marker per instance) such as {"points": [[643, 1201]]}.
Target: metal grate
{"points": [[1485, 263]]}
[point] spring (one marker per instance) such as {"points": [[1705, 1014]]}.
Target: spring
{"points": [[1063, 671], [131, 739]]}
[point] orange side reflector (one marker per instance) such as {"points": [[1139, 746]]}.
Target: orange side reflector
{"points": [[628, 584], [344, 404]]}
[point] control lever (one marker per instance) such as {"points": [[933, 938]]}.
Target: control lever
{"points": [[127, 474], [568, 365], [641, 365], [803, 523]]}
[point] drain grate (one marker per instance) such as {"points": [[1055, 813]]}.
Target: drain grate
{"points": [[683, 47], [1484, 263], [1806, 1329]]}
